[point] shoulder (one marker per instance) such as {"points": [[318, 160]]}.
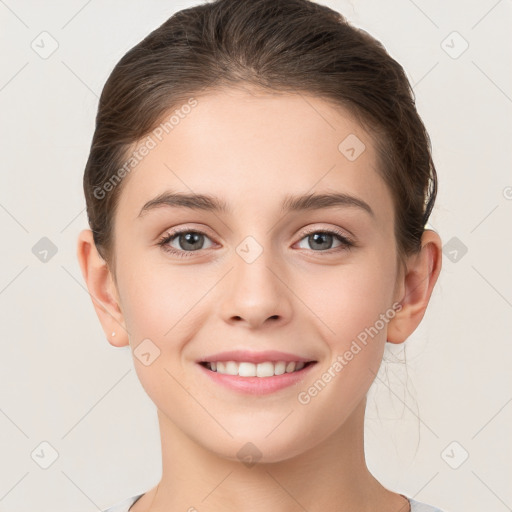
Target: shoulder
{"points": [[124, 505], [417, 506]]}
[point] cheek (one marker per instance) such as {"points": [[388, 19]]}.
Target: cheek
{"points": [[156, 301], [349, 301]]}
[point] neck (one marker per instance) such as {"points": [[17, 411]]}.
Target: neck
{"points": [[331, 476]]}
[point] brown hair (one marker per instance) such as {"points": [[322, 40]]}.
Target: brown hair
{"points": [[277, 45]]}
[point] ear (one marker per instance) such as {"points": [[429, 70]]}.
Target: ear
{"points": [[102, 289], [416, 287]]}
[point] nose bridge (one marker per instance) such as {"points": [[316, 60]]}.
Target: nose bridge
{"points": [[253, 263]]}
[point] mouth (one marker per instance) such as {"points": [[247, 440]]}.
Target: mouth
{"points": [[255, 378], [248, 369]]}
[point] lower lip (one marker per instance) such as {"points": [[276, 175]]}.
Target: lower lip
{"points": [[258, 385]]}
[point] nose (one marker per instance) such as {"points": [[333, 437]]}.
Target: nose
{"points": [[256, 293]]}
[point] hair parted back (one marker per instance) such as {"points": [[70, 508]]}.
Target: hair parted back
{"points": [[288, 46]]}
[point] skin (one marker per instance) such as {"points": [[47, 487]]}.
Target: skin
{"points": [[250, 149]]}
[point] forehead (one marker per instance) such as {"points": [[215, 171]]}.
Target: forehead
{"points": [[252, 149]]}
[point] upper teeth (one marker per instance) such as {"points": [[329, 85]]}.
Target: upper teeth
{"points": [[266, 369]]}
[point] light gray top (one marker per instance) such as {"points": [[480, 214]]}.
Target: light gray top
{"points": [[125, 505]]}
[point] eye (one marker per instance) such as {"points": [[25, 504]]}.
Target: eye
{"points": [[320, 240], [188, 241]]}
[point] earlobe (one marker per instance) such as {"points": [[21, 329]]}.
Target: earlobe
{"points": [[102, 289], [418, 283]]}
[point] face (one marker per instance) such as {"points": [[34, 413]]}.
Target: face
{"points": [[266, 273]]}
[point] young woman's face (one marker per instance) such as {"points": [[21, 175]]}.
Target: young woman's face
{"points": [[260, 275]]}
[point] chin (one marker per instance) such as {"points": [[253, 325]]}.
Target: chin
{"points": [[253, 447]]}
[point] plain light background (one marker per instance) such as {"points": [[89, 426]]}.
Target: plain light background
{"points": [[437, 428]]}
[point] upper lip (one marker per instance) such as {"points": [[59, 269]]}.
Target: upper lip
{"points": [[254, 357]]}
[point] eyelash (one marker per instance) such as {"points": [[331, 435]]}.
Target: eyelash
{"points": [[347, 243]]}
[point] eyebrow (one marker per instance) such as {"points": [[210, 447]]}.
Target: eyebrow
{"points": [[290, 203]]}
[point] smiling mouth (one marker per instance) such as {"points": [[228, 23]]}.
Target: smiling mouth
{"points": [[264, 369]]}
